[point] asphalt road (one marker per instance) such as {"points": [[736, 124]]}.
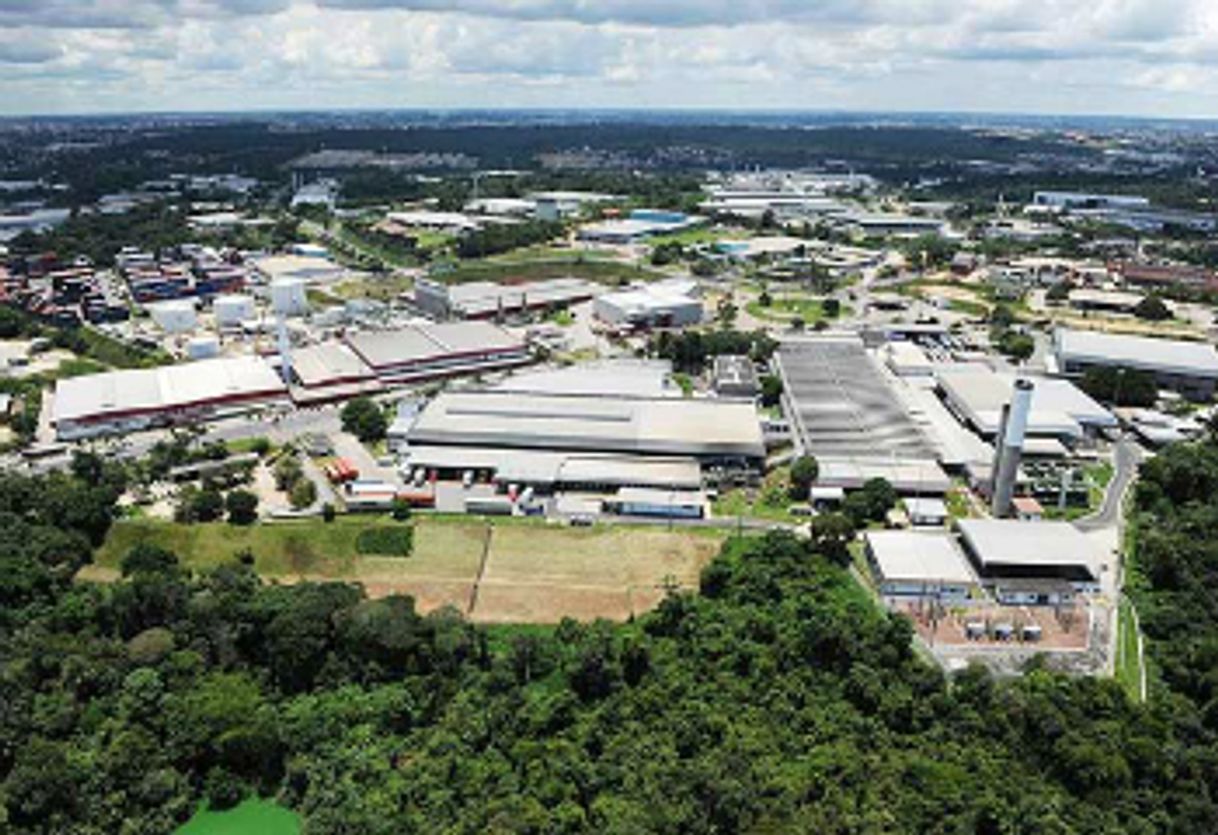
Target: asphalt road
{"points": [[1126, 456]]}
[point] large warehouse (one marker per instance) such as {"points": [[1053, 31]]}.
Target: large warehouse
{"points": [[713, 431], [422, 352], [1059, 408], [840, 404], [1190, 368], [486, 299], [125, 401]]}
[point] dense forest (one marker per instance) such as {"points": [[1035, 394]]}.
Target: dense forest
{"points": [[780, 699]]}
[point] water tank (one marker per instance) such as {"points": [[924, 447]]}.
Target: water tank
{"points": [[203, 347], [231, 311], [175, 316], [288, 297]]}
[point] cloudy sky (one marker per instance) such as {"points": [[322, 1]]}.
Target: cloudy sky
{"points": [[1142, 57]]}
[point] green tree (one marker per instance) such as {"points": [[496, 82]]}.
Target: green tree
{"points": [[1152, 308], [242, 507], [771, 390], [804, 471], [366, 420]]}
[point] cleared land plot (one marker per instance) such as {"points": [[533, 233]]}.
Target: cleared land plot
{"points": [[535, 573]]}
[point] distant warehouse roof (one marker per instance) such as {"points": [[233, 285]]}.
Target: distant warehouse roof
{"points": [[1058, 407], [146, 391], [666, 426], [422, 350], [1163, 355]]}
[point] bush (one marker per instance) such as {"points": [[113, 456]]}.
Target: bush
{"points": [[396, 541], [223, 789], [303, 494], [1153, 309], [327, 512]]}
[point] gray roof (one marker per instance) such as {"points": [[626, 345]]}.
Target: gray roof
{"points": [[842, 404], [1165, 355], [328, 362], [1011, 542], [909, 556], [667, 426], [418, 343]]}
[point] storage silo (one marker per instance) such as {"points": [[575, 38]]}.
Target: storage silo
{"points": [[289, 297], [177, 316], [232, 310]]}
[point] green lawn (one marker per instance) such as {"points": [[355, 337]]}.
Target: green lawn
{"points": [[1127, 669], [786, 308], [697, 235], [308, 546], [250, 817]]}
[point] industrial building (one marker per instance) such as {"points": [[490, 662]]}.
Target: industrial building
{"points": [[550, 471], [125, 401], [841, 406], [718, 432], [920, 564], [641, 224], [977, 395], [330, 371], [1032, 562], [486, 299], [1190, 368], [421, 352], [664, 304]]}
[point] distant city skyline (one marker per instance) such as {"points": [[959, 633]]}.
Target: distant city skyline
{"points": [[1111, 57]]}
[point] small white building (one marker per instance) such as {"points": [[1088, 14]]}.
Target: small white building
{"points": [[928, 512], [662, 304], [920, 565]]}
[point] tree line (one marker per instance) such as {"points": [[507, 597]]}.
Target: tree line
{"points": [[779, 698]]}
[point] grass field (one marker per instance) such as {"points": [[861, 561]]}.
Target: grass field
{"points": [[250, 817], [534, 572]]}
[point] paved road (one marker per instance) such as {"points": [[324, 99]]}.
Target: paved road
{"points": [[1126, 457]]}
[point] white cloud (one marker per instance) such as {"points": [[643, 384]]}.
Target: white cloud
{"points": [[869, 54]]}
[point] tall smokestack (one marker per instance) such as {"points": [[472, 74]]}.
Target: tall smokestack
{"points": [[285, 351], [1010, 447]]}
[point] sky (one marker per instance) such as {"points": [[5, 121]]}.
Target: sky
{"points": [[1133, 57]]}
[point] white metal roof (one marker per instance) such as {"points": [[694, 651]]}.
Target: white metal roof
{"points": [[1166, 355], [626, 377], [95, 396], [655, 426], [910, 556], [1058, 406]]}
